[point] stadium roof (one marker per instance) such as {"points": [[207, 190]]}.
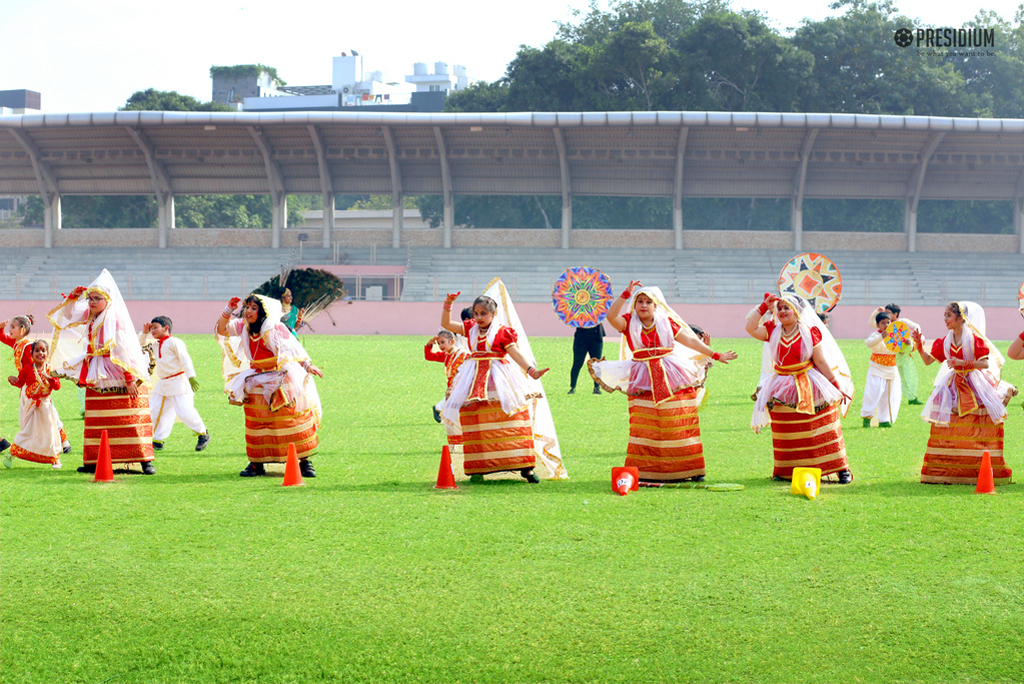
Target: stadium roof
{"points": [[652, 154]]}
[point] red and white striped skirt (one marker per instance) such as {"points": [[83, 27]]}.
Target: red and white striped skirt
{"points": [[268, 433], [664, 439], [493, 441], [127, 422], [808, 441], [953, 454]]}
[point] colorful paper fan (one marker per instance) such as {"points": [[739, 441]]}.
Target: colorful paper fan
{"points": [[1020, 299], [582, 296], [897, 337], [812, 277]]}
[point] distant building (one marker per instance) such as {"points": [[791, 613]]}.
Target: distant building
{"points": [[19, 101], [261, 91], [231, 85], [440, 80]]}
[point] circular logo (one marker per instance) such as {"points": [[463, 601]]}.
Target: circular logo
{"points": [[903, 37]]}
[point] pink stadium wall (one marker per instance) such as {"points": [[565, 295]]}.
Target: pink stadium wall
{"points": [[422, 318]]}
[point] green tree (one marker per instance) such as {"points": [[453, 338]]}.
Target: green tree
{"points": [[994, 83], [170, 101], [858, 68], [736, 62]]}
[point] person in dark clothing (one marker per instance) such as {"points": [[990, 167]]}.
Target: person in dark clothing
{"points": [[585, 341]]}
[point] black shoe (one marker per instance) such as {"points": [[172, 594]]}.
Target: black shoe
{"points": [[203, 440], [597, 389], [437, 415], [147, 468], [306, 468], [87, 468], [4, 445], [572, 390], [67, 449], [529, 475], [699, 478], [476, 479], [253, 470], [157, 446], [915, 402], [845, 477], [778, 478]]}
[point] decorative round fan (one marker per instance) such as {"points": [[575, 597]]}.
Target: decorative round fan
{"points": [[581, 297], [812, 277], [1020, 299], [897, 337]]}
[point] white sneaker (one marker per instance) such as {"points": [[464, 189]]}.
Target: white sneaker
{"points": [[57, 466]]}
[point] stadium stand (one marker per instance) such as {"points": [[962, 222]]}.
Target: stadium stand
{"points": [[692, 276]]}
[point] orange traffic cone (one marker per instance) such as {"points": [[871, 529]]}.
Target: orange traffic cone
{"points": [[292, 476], [986, 483], [625, 480], [445, 472], [104, 468]]}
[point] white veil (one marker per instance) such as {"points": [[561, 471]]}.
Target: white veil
{"points": [[70, 321], [545, 440]]}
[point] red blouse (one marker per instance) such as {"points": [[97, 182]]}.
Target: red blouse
{"points": [[790, 350], [38, 385], [25, 353], [648, 338], [981, 349], [451, 360], [502, 339]]}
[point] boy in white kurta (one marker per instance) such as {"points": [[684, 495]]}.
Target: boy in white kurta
{"points": [[173, 393], [882, 391]]}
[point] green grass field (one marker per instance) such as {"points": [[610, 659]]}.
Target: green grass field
{"points": [[368, 574]]}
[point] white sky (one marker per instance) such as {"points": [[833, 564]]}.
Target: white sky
{"points": [[93, 56]]}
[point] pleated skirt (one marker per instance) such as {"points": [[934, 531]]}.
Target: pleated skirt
{"points": [[268, 433], [664, 439], [493, 441], [808, 441], [953, 454], [127, 422]]}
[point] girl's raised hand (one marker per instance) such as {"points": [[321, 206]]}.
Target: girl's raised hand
{"points": [[450, 298]]}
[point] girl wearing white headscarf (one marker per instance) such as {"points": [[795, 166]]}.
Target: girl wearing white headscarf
{"points": [[808, 391], [663, 366], [95, 345], [967, 405], [501, 407], [269, 374]]}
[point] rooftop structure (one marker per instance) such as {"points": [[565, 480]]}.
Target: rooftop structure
{"points": [[260, 91]]}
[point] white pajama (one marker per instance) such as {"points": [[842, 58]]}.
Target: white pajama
{"points": [[883, 392], [163, 410]]}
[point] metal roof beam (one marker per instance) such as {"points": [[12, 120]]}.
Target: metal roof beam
{"points": [[446, 188], [397, 209], [326, 184], [917, 179], [275, 179], [44, 174], [566, 183], [800, 179], [157, 172], [677, 186]]}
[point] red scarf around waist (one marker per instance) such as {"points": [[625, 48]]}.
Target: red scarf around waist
{"points": [[652, 357], [478, 392]]}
